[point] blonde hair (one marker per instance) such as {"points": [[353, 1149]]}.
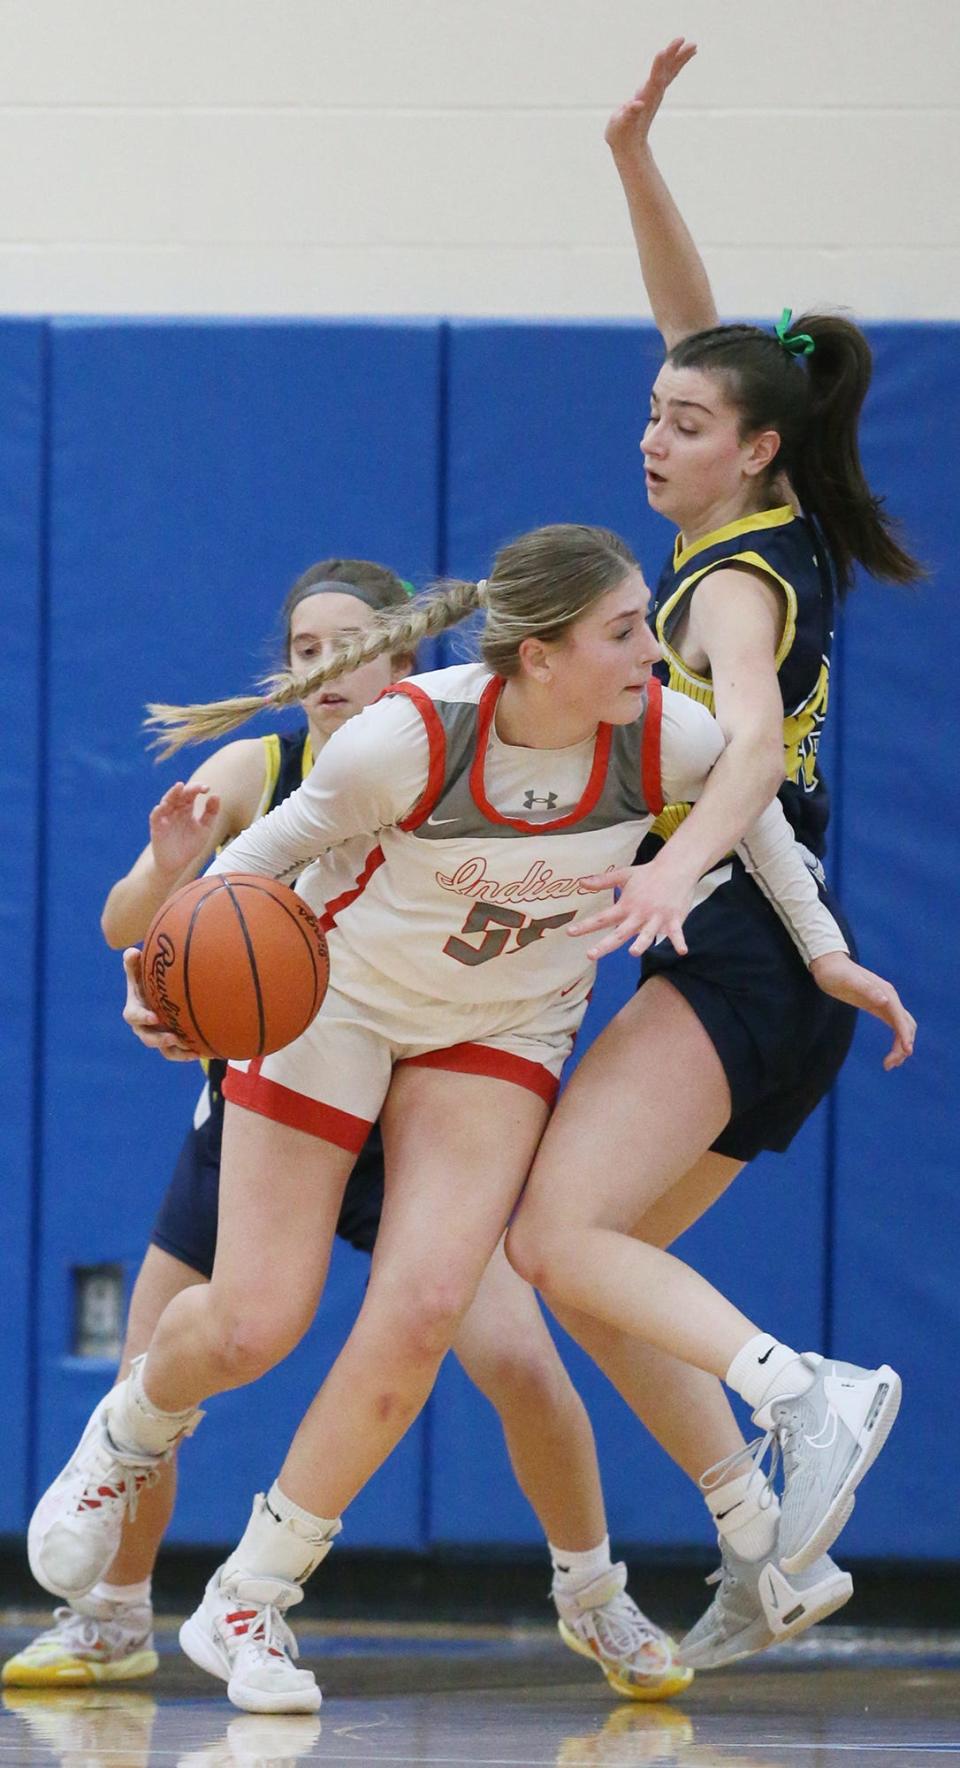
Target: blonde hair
{"points": [[541, 584]]}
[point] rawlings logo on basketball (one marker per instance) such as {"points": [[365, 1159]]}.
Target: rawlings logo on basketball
{"points": [[162, 959]]}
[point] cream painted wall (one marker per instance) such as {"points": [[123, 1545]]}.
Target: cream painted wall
{"points": [[446, 156]]}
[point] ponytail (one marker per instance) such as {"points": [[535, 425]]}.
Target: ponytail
{"points": [[393, 632], [540, 585], [827, 471]]}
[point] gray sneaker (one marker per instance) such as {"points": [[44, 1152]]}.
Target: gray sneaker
{"points": [[828, 1437], [756, 1606]]}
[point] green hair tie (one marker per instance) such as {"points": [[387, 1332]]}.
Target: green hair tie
{"points": [[409, 587], [800, 344]]}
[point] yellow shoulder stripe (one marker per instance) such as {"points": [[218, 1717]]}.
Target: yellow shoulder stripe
{"points": [[271, 771], [757, 563], [761, 519]]}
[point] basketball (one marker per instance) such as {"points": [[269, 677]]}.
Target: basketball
{"points": [[235, 965]]}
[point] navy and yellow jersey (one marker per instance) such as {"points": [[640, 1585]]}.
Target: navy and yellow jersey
{"points": [[288, 759], [783, 547]]}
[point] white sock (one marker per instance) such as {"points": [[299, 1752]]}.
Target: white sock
{"points": [[137, 1426], [765, 1368], [282, 1540], [746, 1513], [573, 1571], [132, 1595]]}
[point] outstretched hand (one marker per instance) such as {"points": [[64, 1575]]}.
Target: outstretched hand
{"points": [[179, 834], [629, 127], [653, 904], [142, 1022], [840, 976]]}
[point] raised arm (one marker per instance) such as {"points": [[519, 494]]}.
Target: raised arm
{"points": [[190, 822], [673, 272]]}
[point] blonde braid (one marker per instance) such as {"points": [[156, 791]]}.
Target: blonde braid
{"points": [[396, 632]]}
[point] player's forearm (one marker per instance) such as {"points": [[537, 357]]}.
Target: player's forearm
{"points": [[673, 271], [133, 902], [740, 785], [774, 860]]}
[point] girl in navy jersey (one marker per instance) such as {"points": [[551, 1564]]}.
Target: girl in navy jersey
{"points": [[502, 1342], [752, 450], [447, 883]]}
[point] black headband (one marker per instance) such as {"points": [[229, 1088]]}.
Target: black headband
{"points": [[327, 586]]}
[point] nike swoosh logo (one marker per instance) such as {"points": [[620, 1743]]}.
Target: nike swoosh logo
{"points": [[767, 1354], [720, 1514], [826, 1437], [443, 819]]}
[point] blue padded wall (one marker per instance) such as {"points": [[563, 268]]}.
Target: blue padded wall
{"points": [[22, 395], [163, 483], [195, 471], [895, 1296]]}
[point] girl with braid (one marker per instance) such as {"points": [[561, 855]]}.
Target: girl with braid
{"points": [[751, 449], [448, 882], [502, 1342]]}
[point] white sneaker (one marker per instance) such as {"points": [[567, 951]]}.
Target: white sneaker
{"points": [[829, 1437], [238, 1634], [75, 1530], [757, 1605], [99, 1641], [602, 1622]]}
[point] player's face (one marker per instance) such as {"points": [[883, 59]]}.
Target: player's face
{"points": [[603, 665], [318, 624], [695, 460]]}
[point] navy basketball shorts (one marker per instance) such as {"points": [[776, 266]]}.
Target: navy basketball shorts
{"points": [[781, 1041], [186, 1224]]}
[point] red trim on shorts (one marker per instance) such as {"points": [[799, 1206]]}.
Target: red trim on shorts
{"points": [[594, 786], [281, 1104], [373, 861], [495, 1064], [650, 770], [437, 738]]}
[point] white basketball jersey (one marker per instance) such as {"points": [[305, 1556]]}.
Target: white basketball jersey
{"points": [[468, 897]]}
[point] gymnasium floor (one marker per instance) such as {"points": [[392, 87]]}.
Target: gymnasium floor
{"points": [[492, 1697]]}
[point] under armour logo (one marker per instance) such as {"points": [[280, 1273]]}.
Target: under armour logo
{"points": [[530, 799]]}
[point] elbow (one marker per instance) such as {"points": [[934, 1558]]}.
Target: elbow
{"points": [[113, 933]]}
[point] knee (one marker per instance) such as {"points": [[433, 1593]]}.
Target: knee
{"points": [[245, 1345], [422, 1327], [529, 1253], [529, 1385]]}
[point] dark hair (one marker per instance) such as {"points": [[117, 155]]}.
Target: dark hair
{"points": [[382, 587], [814, 404], [539, 586]]}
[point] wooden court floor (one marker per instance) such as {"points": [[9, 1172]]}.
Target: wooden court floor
{"points": [[510, 1697]]}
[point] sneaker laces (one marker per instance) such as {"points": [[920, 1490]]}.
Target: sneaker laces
{"points": [[624, 1628], [126, 1491], [726, 1581], [71, 1629], [787, 1432], [752, 1452], [262, 1633], [136, 1473]]}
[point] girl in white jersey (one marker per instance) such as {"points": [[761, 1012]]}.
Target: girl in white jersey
{"points": [[502, 1343], [447, 883]]}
